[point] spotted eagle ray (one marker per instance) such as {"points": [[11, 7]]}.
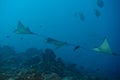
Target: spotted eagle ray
{"points": [[21, 29], [104, 47], [55, 42]]}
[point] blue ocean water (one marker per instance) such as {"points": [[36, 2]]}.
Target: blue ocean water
{"points": [[61, 20]]}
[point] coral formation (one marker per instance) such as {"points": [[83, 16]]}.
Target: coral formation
{"points": [[37, 64]]}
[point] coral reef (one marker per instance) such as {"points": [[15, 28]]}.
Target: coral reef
{"points": [[51, 76], [37, 64]]}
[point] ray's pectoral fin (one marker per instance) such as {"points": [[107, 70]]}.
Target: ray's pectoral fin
{"points": [[21, 29], [28, 31], [20, 26], [104, 47]]}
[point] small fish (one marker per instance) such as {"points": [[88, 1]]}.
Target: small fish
{"points": [[21, 38], [97, 13], [97, 69], [115, 54], [41, 26], [7, 36], [76, 47], [82, 16], [100, 3]]}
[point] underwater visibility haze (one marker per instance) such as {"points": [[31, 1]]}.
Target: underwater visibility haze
{"points": [[59, 40]]}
